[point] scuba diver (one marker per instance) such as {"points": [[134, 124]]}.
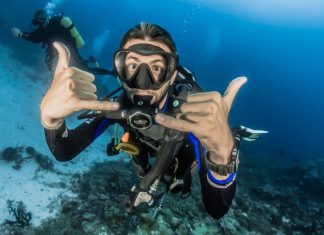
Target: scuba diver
{"points": [[47, 30], [171, 126]]}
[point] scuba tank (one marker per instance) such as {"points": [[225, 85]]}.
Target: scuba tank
{"points": [[66, 22]]}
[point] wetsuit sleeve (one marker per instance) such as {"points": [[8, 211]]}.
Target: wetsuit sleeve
{"points": [[217, 200], [35, 36], [66, 144]]}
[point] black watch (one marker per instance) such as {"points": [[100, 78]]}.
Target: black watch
{"points": [[232, 166]]}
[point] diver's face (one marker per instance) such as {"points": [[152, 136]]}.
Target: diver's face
{"points": [[157, 66], [39, 21]]}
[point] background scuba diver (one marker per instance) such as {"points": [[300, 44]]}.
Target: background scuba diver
{"points": [[147, 65], [57, 28]]}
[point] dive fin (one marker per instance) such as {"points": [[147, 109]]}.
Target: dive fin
{"points": [[249, 134]]}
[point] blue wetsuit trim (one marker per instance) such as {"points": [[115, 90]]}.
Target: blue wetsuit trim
{"points": [[101, 127], [166, 105], [224, 182], [195, 142]]}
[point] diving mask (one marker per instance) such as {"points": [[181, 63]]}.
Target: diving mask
{"points": [[40, 18], [145, 66]]}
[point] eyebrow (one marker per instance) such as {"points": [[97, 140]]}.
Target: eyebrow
{"points": [[157, 60], [134, 58]]}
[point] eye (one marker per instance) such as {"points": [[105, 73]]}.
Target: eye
{"points": [[157, 69], [131, 67], [158, 72]]}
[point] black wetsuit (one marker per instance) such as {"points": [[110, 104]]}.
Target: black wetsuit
{"points": [[66, 144], [51, 32]]}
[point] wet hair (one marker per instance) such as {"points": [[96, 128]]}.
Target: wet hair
{"points": [[40, 17], [40, 14], [151, 31]]}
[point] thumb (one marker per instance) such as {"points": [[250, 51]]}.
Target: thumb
{"points": [[232, 90], [63, 57]]}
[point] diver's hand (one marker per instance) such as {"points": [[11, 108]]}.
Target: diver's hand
{"points": [[206, 116], [16, 32], [72, 90]]}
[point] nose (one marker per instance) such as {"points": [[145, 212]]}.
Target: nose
{"points": [[143, 78]]}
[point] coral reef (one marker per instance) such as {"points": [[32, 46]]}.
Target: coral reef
{"points": [[18, 210], [20, 154], [98, 209], [22, 219], [274, 202], [11, 154], [270, 199]]}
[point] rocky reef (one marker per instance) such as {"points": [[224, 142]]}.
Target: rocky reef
{"points": [[270, 199]]}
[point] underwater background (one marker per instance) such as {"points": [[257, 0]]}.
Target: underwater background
{"points": [[278, 45]]}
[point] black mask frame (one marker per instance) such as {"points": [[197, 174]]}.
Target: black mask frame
{"points": [[172, 62]]}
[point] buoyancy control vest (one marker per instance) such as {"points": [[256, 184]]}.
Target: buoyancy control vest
{"points": [[169, 143]]}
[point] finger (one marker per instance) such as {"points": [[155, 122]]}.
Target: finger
{"points": [[195, 107], [65, 75], [85, 95], [203, 96], [232, 90], [63, 57], [83, 75], [193, 117], [176, 124], [76, 75], [85, 86], [98, 105]]}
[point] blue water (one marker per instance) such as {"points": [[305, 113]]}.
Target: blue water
{"points": [[281, 54], [279, 46]]}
